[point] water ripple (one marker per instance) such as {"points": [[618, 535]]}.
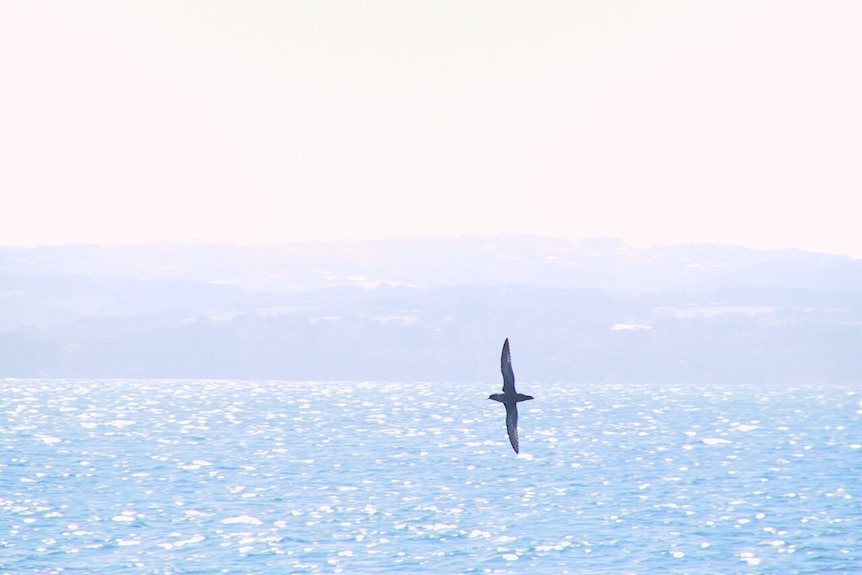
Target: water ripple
{"points": [[163, 477]]}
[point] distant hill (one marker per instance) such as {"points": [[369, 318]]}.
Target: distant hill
{"points": [[432, 262], [431, 309]]}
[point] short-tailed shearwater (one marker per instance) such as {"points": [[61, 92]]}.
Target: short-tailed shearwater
{"points": [[509, 397]]}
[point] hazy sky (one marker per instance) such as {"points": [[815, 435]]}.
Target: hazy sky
{"points": [[270, 121]]}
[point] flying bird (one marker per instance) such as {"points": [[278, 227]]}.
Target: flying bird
{"points": [[509, 397]]}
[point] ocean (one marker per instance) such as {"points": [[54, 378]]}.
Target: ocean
{"points": [[258, 477]]}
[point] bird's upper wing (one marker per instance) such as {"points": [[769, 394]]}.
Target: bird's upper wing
{"points": [[512, 424], [506, 367]]}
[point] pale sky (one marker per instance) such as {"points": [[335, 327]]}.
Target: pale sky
{"points": [[273, 121]]}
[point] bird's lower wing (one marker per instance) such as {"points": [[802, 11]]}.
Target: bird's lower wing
{"points": [[512, 424]]}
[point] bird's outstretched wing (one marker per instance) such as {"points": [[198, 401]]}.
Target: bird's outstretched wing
{"points": [[508, 374], [512, 424]]}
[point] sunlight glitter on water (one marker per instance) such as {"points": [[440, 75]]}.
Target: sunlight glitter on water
{"points": [[237, 477]]}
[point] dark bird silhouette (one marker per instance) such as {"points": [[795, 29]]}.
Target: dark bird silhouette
{"points": [[509, 397]]}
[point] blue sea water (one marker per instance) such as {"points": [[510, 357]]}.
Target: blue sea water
{"points": [[159, 477]]}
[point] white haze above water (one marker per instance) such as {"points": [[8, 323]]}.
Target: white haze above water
{"points": [[663, 122]]}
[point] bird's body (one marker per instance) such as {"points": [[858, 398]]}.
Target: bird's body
{"points": [[509, 397]]}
